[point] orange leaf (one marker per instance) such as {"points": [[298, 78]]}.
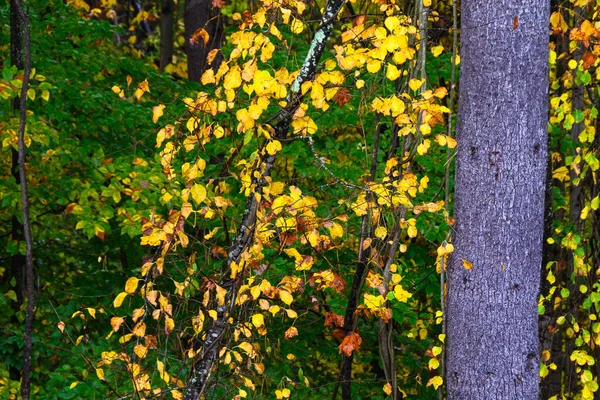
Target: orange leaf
{"points": [[199, 33], [350, 343], [291, 332]]}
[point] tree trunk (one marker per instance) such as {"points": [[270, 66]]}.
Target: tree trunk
{"points": [[494, 274], [166, 32], [201, 14]]}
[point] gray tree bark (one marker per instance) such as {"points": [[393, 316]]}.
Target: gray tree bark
{"points": [[492, 322]]}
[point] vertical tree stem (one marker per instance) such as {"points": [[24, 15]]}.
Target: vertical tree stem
{"points": [[27, 346]]}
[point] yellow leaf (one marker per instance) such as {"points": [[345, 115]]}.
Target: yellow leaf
{"points": [[233, 79], [387, 388], [381, 232], [258, 320], [286, 297], [218, 131], [140, 350], [437, 50], [401, 295], [45, 95], [273, 147], [221, 292], [466, 264], [208, 77], [247, 347], [100, 373], [436, 351], [415, 84], [392, 72], [198, 193], [142, 88], [157, 112], [374, 302], [436, 381], [131, 285], [297, 26], [73, 384], [427, 3], [119, 299], [561, 173], [335, 230]]}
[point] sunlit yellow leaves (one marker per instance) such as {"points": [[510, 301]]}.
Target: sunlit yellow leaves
{"points": [[118, 91], [444, 140], [388, 106], [581, 357], [303, 263], [282, 394], [304, 125], [165, 133], [119, 299]]}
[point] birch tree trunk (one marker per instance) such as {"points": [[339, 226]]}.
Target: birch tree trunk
{"points": [[494, 273]]}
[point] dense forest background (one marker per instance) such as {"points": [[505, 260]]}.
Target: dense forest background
{"points": [[208, 202]]}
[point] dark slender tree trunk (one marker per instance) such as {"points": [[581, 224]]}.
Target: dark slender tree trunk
{"points": [[166, 32], [201, 14], [494, 274], [18, 260]]}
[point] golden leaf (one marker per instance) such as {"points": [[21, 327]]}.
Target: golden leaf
{"points": [[131, 285], [466, 264], [119, 299]]}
